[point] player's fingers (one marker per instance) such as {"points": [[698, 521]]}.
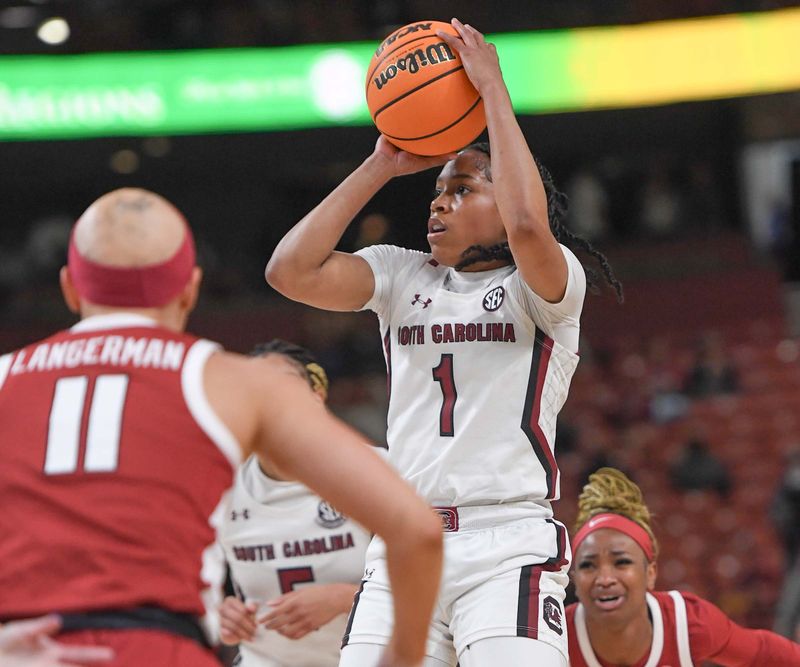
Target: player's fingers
{"points": [[437, 160], [296, 630], [232, 636], [451, 40], [476, 34], [85, 654], [29, 629], [239, 624], [234, 607], [465, 32], [274, 621], [234, 616]]}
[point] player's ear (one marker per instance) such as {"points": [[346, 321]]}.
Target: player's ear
{"points": [[652, 574], [68, 291], [189, 296]]}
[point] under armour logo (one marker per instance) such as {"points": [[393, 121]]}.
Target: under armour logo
{"points": [[425, 303], [245, 514]]}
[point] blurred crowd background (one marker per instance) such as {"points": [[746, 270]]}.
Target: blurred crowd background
{"points": [[692, 386]]}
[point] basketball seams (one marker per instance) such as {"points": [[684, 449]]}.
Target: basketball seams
{"points": [[414, 90], [444, 129]]}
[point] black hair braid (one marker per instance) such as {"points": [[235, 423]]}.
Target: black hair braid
{"points": [[277, 346], [557, 204], [480, 253], [314, 373]]}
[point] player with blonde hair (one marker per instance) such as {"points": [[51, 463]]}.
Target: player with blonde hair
{"points": [[622, 620]]}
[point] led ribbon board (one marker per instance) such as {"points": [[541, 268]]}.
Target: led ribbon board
{"points": [[185, 92]]}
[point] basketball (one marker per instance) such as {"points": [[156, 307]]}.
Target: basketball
{"points": [[419, 95]]}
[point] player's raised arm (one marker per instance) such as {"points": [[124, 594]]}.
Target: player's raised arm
{"points": [[271, 409], [518, 186], [305, 267]]}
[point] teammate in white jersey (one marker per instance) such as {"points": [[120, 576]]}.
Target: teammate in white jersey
{"points": [[295, 560], [481, 341]]}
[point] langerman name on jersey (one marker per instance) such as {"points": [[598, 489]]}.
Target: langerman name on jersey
{"points": [[102, 350], [290, 549], [458, 332]]}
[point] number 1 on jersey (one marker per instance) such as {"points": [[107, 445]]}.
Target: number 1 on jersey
{"points": [[443, 374]]}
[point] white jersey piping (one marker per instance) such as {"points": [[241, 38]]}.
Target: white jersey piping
{"points": [[195, 396], [656, 647], [682, 629], [5, 365]]}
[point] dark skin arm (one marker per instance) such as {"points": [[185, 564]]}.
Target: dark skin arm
{"points": [[518, 186]]}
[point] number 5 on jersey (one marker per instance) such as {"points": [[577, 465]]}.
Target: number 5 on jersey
{"points": [[103, 430]]}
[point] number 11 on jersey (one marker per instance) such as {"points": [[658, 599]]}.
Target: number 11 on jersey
{"points": [[102, 433], [443, 374]]}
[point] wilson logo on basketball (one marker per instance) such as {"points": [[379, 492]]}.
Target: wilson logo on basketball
{"points": [[412, 62], [494, 299], [405, 30]]}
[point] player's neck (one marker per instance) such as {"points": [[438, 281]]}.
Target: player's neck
{"points": [[624, 643], [165, 317], [485, 266]]}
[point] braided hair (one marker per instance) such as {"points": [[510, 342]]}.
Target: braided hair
{"points": [[314, 373], [556, 211], [609, 491]]}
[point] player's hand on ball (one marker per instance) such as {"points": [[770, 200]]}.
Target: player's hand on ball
{"points": [[478, 56], [401, 163], [237, 620], [299, 612]]}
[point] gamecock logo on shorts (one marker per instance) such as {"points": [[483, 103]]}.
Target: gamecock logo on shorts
{"points": [[551, 612], [328, 516]]}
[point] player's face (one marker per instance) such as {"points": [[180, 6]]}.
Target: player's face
{"points": [[464, 211], [611, 576]]}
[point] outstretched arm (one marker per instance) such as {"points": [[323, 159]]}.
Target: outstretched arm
{"points": [[305, 267], [518, 186], [28, 644], [272, 411], [713, 636]]}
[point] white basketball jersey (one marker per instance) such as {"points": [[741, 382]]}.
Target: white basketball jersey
{"points": [[479, 366], [278, 537]]}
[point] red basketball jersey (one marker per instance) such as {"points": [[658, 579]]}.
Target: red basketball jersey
{"points": [[112, 464], [686, 631]]}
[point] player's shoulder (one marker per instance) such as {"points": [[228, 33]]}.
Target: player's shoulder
{"points": [[700, 614], [223, 364], [398, 256]]}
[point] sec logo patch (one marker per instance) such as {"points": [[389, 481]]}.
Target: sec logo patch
{"points": [[328, 516], [494, 299]]}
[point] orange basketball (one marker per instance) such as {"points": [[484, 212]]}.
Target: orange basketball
{"points": [[419, 95]]}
